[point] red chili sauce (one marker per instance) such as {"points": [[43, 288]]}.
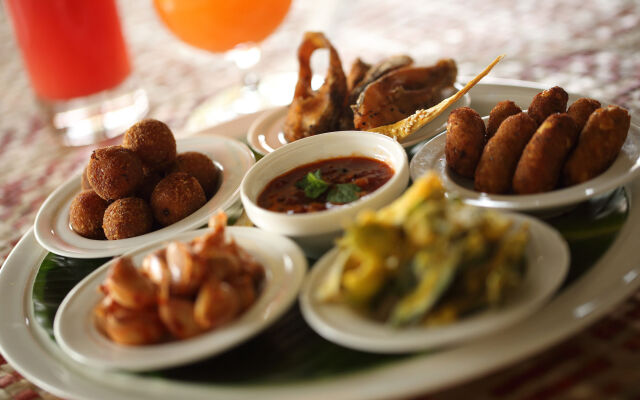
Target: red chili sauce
{"points": [[282, 194]]}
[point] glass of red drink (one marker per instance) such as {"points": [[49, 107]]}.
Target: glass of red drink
{"points": [[78, 65]]}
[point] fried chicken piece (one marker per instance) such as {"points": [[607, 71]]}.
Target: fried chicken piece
{"points": [[312, 112], [400, 93]]}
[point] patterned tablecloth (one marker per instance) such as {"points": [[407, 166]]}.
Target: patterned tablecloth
{"points": [[586, 46]]}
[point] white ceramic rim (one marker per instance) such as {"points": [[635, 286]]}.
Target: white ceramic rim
{"points": [[52, 221], [264, 144], [623, 170], [316, 222], [75, 332], [547, 266]]}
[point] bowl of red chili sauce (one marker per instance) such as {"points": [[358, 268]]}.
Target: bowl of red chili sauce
{"points": [[311, 188]]}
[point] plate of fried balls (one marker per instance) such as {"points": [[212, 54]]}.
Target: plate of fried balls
{"points": [[146, 189], [542, 160]]}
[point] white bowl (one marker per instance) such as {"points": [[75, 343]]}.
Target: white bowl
{"points": [[316, 231]]}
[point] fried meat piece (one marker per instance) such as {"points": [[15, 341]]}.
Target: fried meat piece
{"points": [[153, 142], [548, 102], [581, 109], [114, 172], [377, 71], [200, 167], [499, 113], [175, 197], [86, 213], [312, 112], [128, 217], [357, 73], [598, 145], [464, 140]]}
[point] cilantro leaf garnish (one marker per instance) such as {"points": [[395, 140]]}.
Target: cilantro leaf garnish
{"points": [[343, 193], [313, 184]]}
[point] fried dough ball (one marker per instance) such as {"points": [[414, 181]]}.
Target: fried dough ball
{"points": [[84, 180], [114, 172], [125, 218], [548, 102], [499, 113], [149, 181], [85, 214], [153, 142], [501, 154], [598, 145], [541, 163], [464, 140], [175, 197], [200, 167], [581, 109]]}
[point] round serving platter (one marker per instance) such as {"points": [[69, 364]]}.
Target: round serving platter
{"points": [[290, 361]]}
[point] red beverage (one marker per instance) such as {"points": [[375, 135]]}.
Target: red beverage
{"points": [[71, 48]]}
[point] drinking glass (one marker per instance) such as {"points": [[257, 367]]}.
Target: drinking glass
{"points": [[78, 66]]}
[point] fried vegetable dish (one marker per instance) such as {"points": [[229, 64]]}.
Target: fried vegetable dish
{"points": [[426, 259], [180, 291]]}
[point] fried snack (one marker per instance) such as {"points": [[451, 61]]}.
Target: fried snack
{"points": [[465, 140], [316, 111], [357, 73], [599, 144], [114, 172], [581, 109], [175, 197], [541, 163], [420, 118], [85, 214], [499, 113], [401, 92], [377, 71], [125, 218], [150, 179], [200, 167], [153, 142], [499, 159], [548, 102], [84, 180]]}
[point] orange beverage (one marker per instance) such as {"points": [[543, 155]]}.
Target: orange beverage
{"points": [[71, 48], [220, 25]]}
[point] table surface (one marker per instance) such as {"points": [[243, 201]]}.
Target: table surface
{"points": [[585, 46]]}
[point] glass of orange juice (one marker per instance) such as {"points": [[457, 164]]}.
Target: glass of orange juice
{"points": [[78, 66], [233, 27]]}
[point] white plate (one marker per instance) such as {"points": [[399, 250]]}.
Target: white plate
{"points": [[547, 257], [625, 168], [30, 350], [75, 331], [52, 222], [265, 134]]}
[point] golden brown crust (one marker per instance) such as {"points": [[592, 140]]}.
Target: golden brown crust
{"points": [[84, 180], [153, 142], [501, 154], [599, 144], [541, 163], [86, 213], [175, 197], [499, 113], [464, 141], [581, 109], [200, 167], [128, 217], [548, 102], [114, 172]]}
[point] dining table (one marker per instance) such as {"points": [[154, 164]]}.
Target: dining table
{"points": [[591, 47]]}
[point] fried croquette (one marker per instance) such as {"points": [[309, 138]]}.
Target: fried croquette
{"points": [[153, 142], [501, 154], [598, 145], [581, 109], [84, 181], [200, 167], [114, 172], [128, 217], [149, 181], [499, 113], [86, 213], [548, 102], [464, 141], [541, 163], [175, 197]]}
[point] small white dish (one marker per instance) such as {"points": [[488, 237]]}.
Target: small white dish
{"points": [[316, 231], [52, 228], [624, 169], [265, 133], [547, 257], [77, 335]]}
